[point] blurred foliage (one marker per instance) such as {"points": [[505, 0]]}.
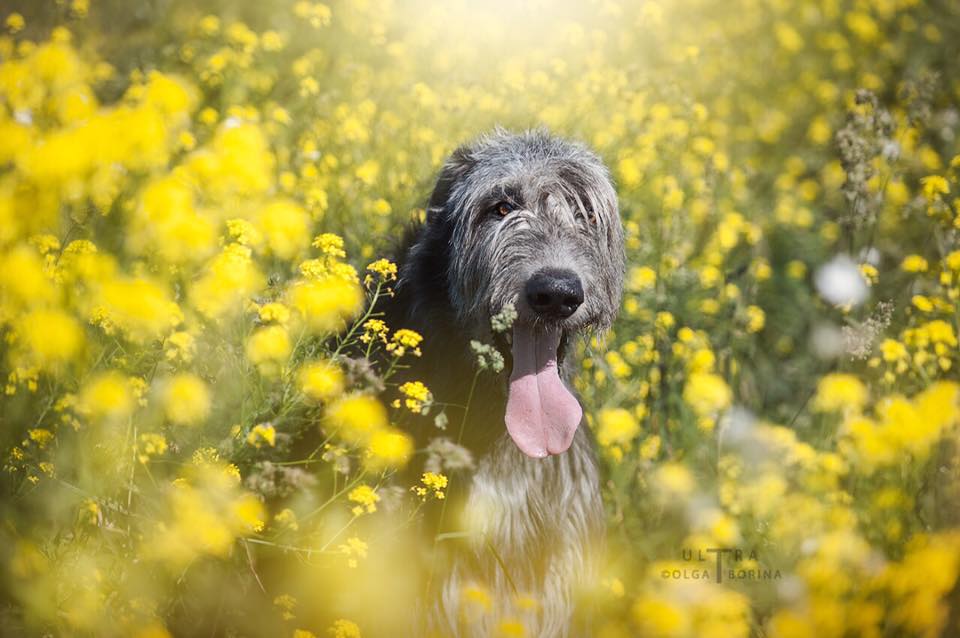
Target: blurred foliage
{"points": [[200, 432]]}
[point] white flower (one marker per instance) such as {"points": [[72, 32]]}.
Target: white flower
{"points": [[840, 282]]}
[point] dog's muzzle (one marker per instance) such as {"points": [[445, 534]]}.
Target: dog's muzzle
{"points": [[554, 293]]}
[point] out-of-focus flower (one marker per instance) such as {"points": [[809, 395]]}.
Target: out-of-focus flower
{"points": [[186, 399], [46, 339], [262, 433], [324, 305], [707, 393], [269, 348], [616, 426], [321, 380], [342, 628], [840, 392], [108, 395], [356, 418], [388, 448], [840, 282], [366, 499]]}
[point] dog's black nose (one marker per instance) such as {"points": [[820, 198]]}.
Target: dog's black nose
{"points": [[554, 293]]}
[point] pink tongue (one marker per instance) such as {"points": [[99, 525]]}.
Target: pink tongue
{"points": [[542, 415]]}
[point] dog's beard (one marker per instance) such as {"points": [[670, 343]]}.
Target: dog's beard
{"points": [[542, 414]]}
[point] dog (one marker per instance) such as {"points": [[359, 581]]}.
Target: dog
{"points": [[529, 221]]}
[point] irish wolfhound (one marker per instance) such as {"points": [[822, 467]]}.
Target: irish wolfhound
{"points": [[529, 220]]}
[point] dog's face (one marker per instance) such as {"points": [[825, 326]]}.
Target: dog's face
{"points": [[532, 221]]}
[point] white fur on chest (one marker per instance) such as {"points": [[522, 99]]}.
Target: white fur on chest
{"points": [[535, 530]]}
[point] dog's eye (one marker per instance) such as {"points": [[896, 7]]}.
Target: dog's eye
{"points": [[503, 208], [588, 215]]}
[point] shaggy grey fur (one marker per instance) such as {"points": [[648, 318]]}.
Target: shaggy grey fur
{"points": [[567, 218], [534, 527]]}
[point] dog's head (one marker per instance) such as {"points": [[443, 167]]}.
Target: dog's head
{"points": [[531, 220]]}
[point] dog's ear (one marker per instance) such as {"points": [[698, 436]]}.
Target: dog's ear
{"points": [[457, 165]]}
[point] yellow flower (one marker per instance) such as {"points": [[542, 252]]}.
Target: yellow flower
{"points": [[675, 479], [357, 417], [819, 131], [108, 395], [914, 263], [330, 245], [404, 340], [840, 392], [151, 444], [384, 269], [710, 306], [710, 276], [186, 399], [368, 172], [318, 15], [180, 346], [208, 510], [23, 281], [46, 339], [269, 348], [650, 448], [953, 261], [641, 278], [788, 37], [893, 350], [321, 380], [324, 305], [707, 393], [230, 279], [616, 426], [285, 225], [354, 549], [922, 303], [418, 396], [237, 163], [756, 319], [365, 497], [274, 312], [168, 223], [248, 513], [15, 22], [244, 233], [141, 309], [431, 483], [388, 448], [262, 433], [286, 518], [342, 628], [657, 616], [40, 436], [374, 330], [933, 186], [327, 268], [664, 320], [786, 623], [862, 25]]}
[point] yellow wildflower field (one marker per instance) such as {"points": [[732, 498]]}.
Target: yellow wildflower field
{"points": [[200, 428]]}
